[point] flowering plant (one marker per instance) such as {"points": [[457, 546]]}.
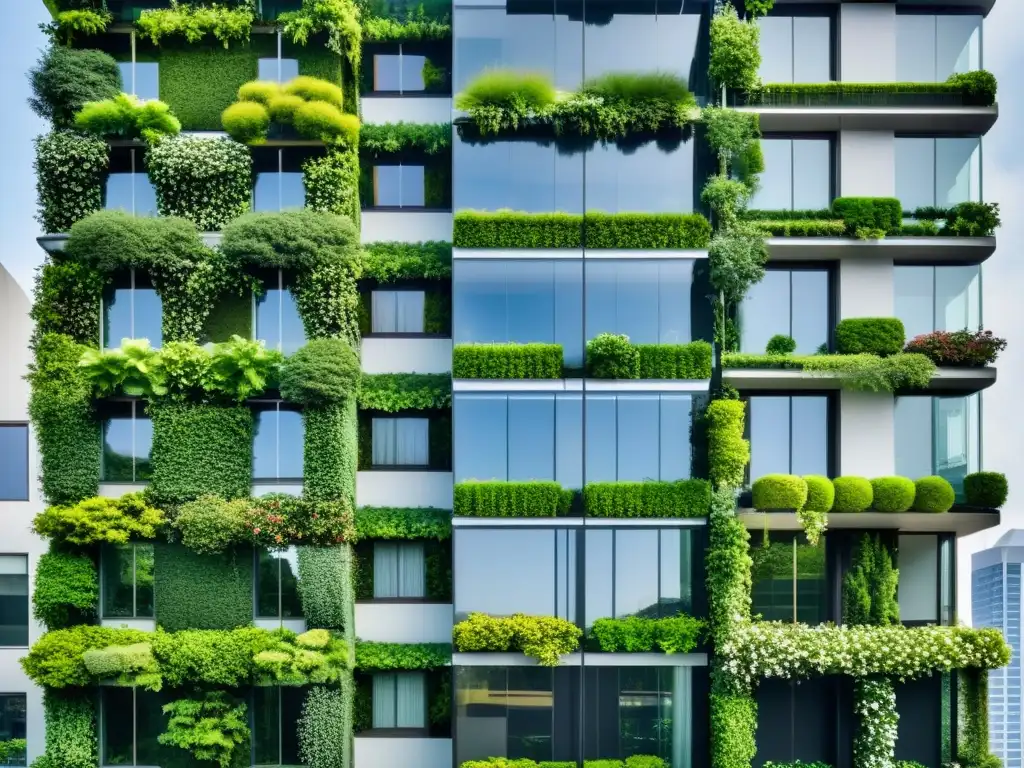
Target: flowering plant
{"points": [[278, 520], [874, 746], [968, 348]]}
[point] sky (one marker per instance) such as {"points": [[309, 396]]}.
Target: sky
{"points": [[1002, 276]]}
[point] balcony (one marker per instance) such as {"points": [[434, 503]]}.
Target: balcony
{"points": [[960, 380], [906, 250], [962, 522]]}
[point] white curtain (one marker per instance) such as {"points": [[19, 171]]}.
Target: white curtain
{"points": [[397, 311], [401, 442], [384, 701], [412, 700], [385, 569], [383, 311], [412, 571]]}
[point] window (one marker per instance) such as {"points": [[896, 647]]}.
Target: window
{"points": [[127, 581], [938, 436], [788, 579], [12, 723], [939, 172], [645, 179], [127, 442], [486, 557], [519, 437], [132, 309], [791, 302], [938, 298], [277, 584], [141, 78], [401, 186], [278, 70], [278, 324], [277, 449], [275, 718], [400, 700], [278, 173], [918, 564], [402, 442], [14, 467], [128, 186], [397, 311], [638, 572], [638, 437], [789, 435], [131, 721], [14, 600], [399, 570], [797, 176], [931, 47], [795, 49], [535, 300], [401, 73]]}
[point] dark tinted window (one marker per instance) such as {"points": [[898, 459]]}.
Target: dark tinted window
{"points": [[14, 467], [275, 716], [788, 578], [789, 435], [127, 581], [12, 724], [791, 302], [13, 600], [277, 584]]}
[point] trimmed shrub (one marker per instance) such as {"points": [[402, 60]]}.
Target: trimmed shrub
{"points": [[821, 493], [67, 590], [637, 634], [853, 494], [246, 121], [389, 262], [728, 451], [314, 89], [675, 361], [380, 656], [331, 452], [324, 121], [933, 494], [679, 498], [869, 214], [780, 345], [979, 87], [194, 591], [986, 489], [100, 521], [779, 492], [611, 356], [283, 107], [507, 361], [65, 79], [387, 138], [881, 336], [394, 392], [892, 494], [210, 525], [127, 117], [323, 372], [545, 638], [514, 229], [259, 91], [636, 231], [498, 498], [70, 174]]}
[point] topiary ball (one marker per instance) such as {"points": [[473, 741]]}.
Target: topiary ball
{"points": [[322, 373], [821, 494], [779, 492], [261, 91], [780, 344], [893, 494], [986, 489], [933, 494], [852, 494], [314, 89], [246, 121]]}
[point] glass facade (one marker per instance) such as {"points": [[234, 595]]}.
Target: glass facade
{"points": [[946, 298], [277, 584], [127, 442], [12, 725], [938, 436], [141, 78], [795, 49], [931, 47], [790, 435], [798, 174], [791, 302], [407, 69], [131, 309], [278, 324], [128, 187], [278, 174], [935, 171], [274, 722], [14, 600], [277, 443], [126, 574], [788, 578]]}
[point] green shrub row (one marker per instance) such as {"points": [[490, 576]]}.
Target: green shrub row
{"points": [[857, 494], [634, 761], [417, 27], [870, 335], [393, 392], [382, 657], [977, 88], [612, 356], [313, 107], [388, 138], [679, 498], [636, 634], [545, 638], [801, 227], [403, 523], [390, 262], [497, 498], [869, 373], [628, 231], [507, 361]]}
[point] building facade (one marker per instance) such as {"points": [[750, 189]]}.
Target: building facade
{"points": [[553, 383], [995, 602]]}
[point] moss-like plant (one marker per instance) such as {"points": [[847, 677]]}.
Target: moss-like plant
{"points": [[728, 451], [774, 492], [892, 494], [986, 489], [312, 106], [853, 494], [323, 372], [545, 638], [66, 590], [870, 335], [933, 494], [66, 78]]}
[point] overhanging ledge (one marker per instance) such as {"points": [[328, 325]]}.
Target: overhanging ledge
{"points": [[959, 522]]}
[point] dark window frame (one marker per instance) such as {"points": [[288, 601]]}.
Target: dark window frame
{"points": [[372, 415], [404, 732], [28, 590], [833, 275], [279, 616], [15, 760], [133, 279], [833, 139], [831, 580]]}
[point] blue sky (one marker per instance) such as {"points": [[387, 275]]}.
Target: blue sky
{"points": [[1003, 276]]}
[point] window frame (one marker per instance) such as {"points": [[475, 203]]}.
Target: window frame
{"points": [[250, 701], [257, 616], [401, 53], [832, 425], [135, 403], [104, 553], [833, 155], [23, 760], [399, 334], [28, 458], [137, 164], [396, 417], [282, 285], [962, 10], [935, 138], [262, 405], [934, 269], [292, 154], [28, 598], [831, 580], [832, 297], [403, 731]]}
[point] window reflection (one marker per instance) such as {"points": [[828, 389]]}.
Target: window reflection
{"points": [[127, 442], [275, 716], [788, 578], [131, 310], [278, 324], [918, 564], [277, 584], [789, 435], [12, 724], [645, 179], [791, 302], [13, 600], [648, 300], [127, 581], [795, 49], [128, 187], [938, 298], [277, 450], [797, 176], [536, 568], [931, 47], [938, 436], [278, 70], [937, 172], [278, 173], [14, 471], [399, 186], [141, 78]]}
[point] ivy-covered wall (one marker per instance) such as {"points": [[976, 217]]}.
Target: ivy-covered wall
{"points": [[195, 591]]}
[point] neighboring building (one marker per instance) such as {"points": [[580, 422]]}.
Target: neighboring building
{"points": [[508, 449], [995, 602]]}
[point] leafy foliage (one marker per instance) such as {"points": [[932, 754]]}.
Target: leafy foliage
{"points": [[499, 99], [737, 258], [100, 521], [670, 499], [310, 105], [733, 725], [197, 99], [86, 21], [498, 498], [386, 138], [403, 523], [70, 172], [870, 335], [209, 525], [507, 361], [67, 590], [728, 451], [545, 638], [966, 348], [127, 117], [195, 22], [874, 743], [131, 369], [986, 489], [324, 728], [388, 656], [417, 26], [323, 372], [394, 392], [339, 19], [972, 741], [70, 729], [66, 78], [331, 452], [389, 262], [612, 356], [332, 182], [635, 634], [325, 586], [209, 728], [126, 664], [67, 301], [863, 372], [869, 586], [225, 582], [780, 345], [735, 51]]}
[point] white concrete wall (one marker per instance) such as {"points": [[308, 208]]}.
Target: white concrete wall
{"points": [[867, 164], [383, 355], [404, 489], [866, 287], [383, 752], [404, 622], [867, 42], [406, 226], [867, 434], [16, 516], [395, 109]]}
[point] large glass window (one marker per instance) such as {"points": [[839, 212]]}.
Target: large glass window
{"points": [[131, 721], [128, 186], [401, 442], [792, 302], [127, 581], [141, 78], [648, 300], [127, 442], [645, 179], [14, 600], [278, 174], [638, 437], [938, 298], [278, 324], [938, 436], [931, 47], [400, 700], [397, 311], [936, 172], [400, 73], [519, 437], [789, 435], [797, 176], [795, 49], [918, 589], [278, 70], [12, 724], [132, 309], [536, 569], [638, 572], [275, 718], [14, 467], [399, 569], [788, 578], [399, 186], [277, 584], [277, 444], [519, 300]]}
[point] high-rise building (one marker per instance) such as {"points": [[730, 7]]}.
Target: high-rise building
{"points": [[506, 384], [995, 602]]}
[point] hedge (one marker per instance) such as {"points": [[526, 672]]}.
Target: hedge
{"points": [[545, 638], [516, 229], [66, 590], [202, 591], [654, 361], [892, 494], [728, 451], [853, 494], [394, 392], [379, 657], [978, 88], [497, 498], [869, 215], [507, 361], [801, 228], [986, 489], [196, 98], [389, 262], [679, 498], [390, 523], [326, 589], [200, 449], [330, 452], [636, 634], [774, 492], [870, 335], [861, 372]]}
